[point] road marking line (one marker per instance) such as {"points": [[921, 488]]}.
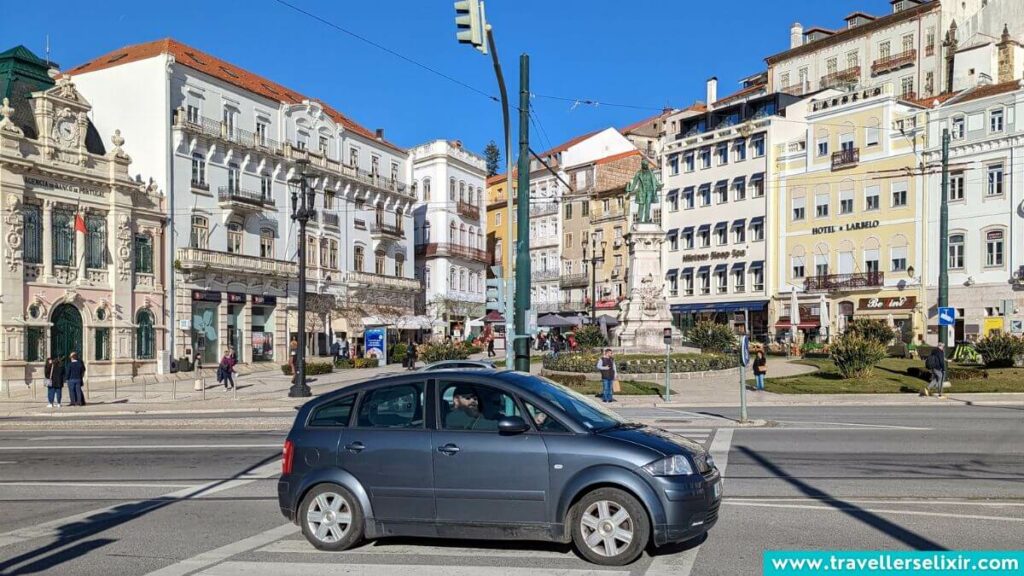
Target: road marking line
{"points": [[873, 511], [384, 549], [324, 569], [48, 484], [218, 555], [854, 425], [139, 447], [48, 438], [681, 564], [55, 528], [929, 502]]}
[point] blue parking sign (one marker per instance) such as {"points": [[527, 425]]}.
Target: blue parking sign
{"points": [[947, 316], [744, 350]]}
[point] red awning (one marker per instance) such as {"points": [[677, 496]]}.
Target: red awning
{"points": [[494, 316], [800, 325]]}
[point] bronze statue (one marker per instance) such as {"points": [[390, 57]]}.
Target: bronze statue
{"points": [[645, 186]]}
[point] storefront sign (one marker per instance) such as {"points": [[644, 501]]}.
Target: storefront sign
{"points": [[720, 255], [852, 226], [376, 344], [205, 296], [65, 187], [236, 298], [264, 300], [895, 303]]}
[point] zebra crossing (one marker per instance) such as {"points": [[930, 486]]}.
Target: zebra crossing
{"points": [[702, 436]]}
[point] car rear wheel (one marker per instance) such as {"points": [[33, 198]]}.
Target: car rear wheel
{"points": [[610, 527], [331, 518]]}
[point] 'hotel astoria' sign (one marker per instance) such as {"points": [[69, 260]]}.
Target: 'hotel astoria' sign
{"points": [[852, 226]]}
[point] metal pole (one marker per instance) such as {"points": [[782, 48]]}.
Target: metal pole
{"points": [[506, 268], [944, 245], [522, 275], [303, 211], [174, 389], [593, 280], [743, 393], [668, 362]]}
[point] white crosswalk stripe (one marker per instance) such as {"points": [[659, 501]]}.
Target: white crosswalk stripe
{"points": [[701, 435], [331, 569]]}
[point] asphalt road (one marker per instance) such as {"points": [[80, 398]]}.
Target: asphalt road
{"points": [[181, 501]]}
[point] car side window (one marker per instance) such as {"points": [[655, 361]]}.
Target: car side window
{"points": [[398, 406], [543, 421], [474, 407], [335, 413]]}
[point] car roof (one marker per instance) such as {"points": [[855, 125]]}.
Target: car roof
{"points": [[503, 376]]}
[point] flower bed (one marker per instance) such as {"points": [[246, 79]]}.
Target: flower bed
{"points": [[641, 363]]}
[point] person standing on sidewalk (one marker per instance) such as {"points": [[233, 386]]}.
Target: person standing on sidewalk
{"points": [[760, 369], [410, 355], [606, 365], [936, 364], [74, 375], [226, 370], [53, 378]]}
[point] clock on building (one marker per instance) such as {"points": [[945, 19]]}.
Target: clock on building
{"points": [[65, 130]]}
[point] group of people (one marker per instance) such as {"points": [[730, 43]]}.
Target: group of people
{"points": [[556, 343], [59, 371]]}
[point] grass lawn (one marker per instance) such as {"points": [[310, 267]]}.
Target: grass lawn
{"points": [[533, 360], [889, 377]]}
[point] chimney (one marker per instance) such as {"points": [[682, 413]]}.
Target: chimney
{"points": [[712, 90], [796, 35], [380, 133]]}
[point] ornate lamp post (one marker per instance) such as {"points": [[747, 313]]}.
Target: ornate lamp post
{"points": [[594, 259], [303, 208]]}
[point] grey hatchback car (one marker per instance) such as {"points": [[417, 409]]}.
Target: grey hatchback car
{"points": [[491, 455]]}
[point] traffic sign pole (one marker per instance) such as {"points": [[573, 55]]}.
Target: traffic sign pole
{"points": [[744, 359]]}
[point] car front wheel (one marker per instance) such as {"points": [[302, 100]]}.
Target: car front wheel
{"points": [[610, 527], [331, 518]]}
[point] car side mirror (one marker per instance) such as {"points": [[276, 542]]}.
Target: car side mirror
{"points": [[512, 425]]}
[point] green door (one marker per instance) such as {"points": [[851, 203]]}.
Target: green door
{"points": [[66, 333]]}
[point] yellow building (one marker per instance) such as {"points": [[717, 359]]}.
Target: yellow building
{"points": [[851, 216], [497, 222]]}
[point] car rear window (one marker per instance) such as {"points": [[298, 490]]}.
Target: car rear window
{"points": [[334, 413]]}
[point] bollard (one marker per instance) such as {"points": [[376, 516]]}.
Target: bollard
{"points": [[204, 388], [143, 389], [234, 392], [174, 389]]}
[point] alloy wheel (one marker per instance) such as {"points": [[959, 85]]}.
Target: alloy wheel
{"points": [[607, 528], [329, 517]]}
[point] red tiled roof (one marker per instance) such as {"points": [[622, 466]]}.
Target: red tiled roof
{"points": [[222, 70], [618, 156], [741, 93], [568, 144], [970, 94], [497, 179], [645, 121]]}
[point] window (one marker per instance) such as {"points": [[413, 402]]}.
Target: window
{"points": [[757, 274], [426, 189], [705, 283], [145, 336], [585, 209], [757, 188], [143, 254], [261, 133], [605, 206], [722, 152], [852, 60], [266, 187], [198, 171], [322, 145], [35, 344], [705, 237], [899, 195], [497, 218], [688, 239], [568, 210], [673, 242], [722, 281], [739, 190], [378, 263], [673, 286], [907, 87], [846, 202], [871, 135], [688, 162], [229, 122], [394, 174], [822, 146], [688, 199], [200, 237], [705, 157], [739, 234], [799, 209], [102, 344], [234, 238], [470, 407], [785, 80], [722, 193], [721, 236], [374, 165], [233, 176], [821, 265], [688, 284], [994, 248], [832, 65], [673, 202], [266, 243], [357, 258], [739, 280], [797, 263], [956, 251], [996, 120], [33, 251], [757, 230], [705, 195], [333, 414], [739, 149], [673, 164], [871, 259], [192, 113], [899, 258], [63, 236], [399, 406], [757, 143], [871, 200], [95, 241], [956, 186], [957, 131], [821, 203], [353, 157], [995, 180], [884, 49], [451, 189], [399, 265]]}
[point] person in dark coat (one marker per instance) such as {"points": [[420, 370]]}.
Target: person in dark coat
{"points": [[226, 370], [936, 364], [410, 356], [760, 369], [74, 375], [53, 373]]}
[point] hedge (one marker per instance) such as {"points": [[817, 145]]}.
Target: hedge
{"points": [[641, 363], [312, 368]]}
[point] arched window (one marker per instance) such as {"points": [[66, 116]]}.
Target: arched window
{"points": [[378, 263], [426, 277], [33, 235], [399, 265], [451, 189], [956, 251], [462, 280], [266, 243], [462, 191], [145, 336], [426, 189], [451, 233], [479, 240], [200, 237], [399, 220], [234, 238], [357, 258], [451, 279], [479, 196], [462, 234]]}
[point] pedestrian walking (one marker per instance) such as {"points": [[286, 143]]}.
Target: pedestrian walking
{"points": [[490, 347], [226, 370], [74, 375], [344, 348], [410, 356], [53, 379], [293, 348], [936, 364], [336, 350], [606, 365], [760, 369]]}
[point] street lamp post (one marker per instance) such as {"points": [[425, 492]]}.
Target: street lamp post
{"points": [[594, 259], [303, 209]]}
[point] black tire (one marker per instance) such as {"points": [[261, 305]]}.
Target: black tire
{"points": [[610, 550], [336, 535]]}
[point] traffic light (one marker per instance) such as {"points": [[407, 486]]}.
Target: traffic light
{"points": [[471, 24], [496, 295]]}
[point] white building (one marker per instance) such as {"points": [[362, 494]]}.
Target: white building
{"points": [[225, 143], [451, 251]]}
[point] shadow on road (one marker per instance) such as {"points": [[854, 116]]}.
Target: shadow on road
{"points": [[43, 559], [912, 539]]}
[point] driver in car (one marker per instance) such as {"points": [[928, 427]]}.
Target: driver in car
{"points": [[465, 413]]}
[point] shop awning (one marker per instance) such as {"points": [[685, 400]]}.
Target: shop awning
{"points": [[739, 179], [738, 265], [757, 264], [757, 306], [494, 316], [705, 227], [672, 193]]}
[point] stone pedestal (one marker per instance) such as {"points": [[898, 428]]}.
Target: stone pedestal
{"points": [[646, 314]]}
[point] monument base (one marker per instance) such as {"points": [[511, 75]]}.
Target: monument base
{"points": [[647, 314]]}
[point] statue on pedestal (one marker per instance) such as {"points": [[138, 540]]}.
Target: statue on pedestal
{"points": [[645, 188]]}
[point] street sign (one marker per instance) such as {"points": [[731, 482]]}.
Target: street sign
{"points": [[744, 350], [947, 316], [667, 335]]}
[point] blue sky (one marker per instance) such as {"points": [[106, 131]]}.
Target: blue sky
{"points": [[643, 53]]}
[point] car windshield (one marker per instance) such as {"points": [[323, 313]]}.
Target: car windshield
{"points": [[587, 412]]}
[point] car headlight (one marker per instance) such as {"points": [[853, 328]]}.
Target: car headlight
{"points": [[711, 461], [672, 466]]}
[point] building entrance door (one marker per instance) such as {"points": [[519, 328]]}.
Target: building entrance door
{"points": [[66, 333]]}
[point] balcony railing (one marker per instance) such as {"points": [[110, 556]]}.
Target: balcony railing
{"points": [[929, 50], [217, 129], [894, 62], [330, 219], [848, 76], [543, 209], [467, 210], [546, 307], [381, 281], [845, 158], [231, 194], [844, 282], [196, 185], [574, 280], [573, 306], [192, 258], [539, 275], [385, 230], [797, 89], [443, 249], [607, 216]]}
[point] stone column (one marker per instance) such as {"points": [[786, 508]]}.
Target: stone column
{"points": [[245, 323], [79, 249], [47, 240]]}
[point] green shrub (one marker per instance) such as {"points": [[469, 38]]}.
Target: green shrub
{"points": [[589, 337], [343, 364], [711, 337], [570, 380], [998, 350], [365, 362], [435, 352], [641, 363], [312, 368], [398, 353], [870, 329], [855, 356]]}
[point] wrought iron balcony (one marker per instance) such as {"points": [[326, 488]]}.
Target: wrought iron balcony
{"points": [[330, 219], [573, 306], [579, 280], [843, 77], [845, 158], [546, 307], [894, 62], [540, 275], [197, 258], [240, 197], [447, 249], [844, 282], [381, 281], [216, 129], [385, 230], [468, 210], [543, 209], [797, 89]]}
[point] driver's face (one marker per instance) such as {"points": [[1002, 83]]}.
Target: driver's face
{"points": [[467, 402]]}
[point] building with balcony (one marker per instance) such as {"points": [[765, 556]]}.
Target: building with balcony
{"points": [[225, 143], [849, 217], [82, 237], [451, 251], [718, 172]]}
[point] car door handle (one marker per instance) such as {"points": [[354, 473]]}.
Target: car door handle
{"points": [[449, 449], [355, 447]]}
